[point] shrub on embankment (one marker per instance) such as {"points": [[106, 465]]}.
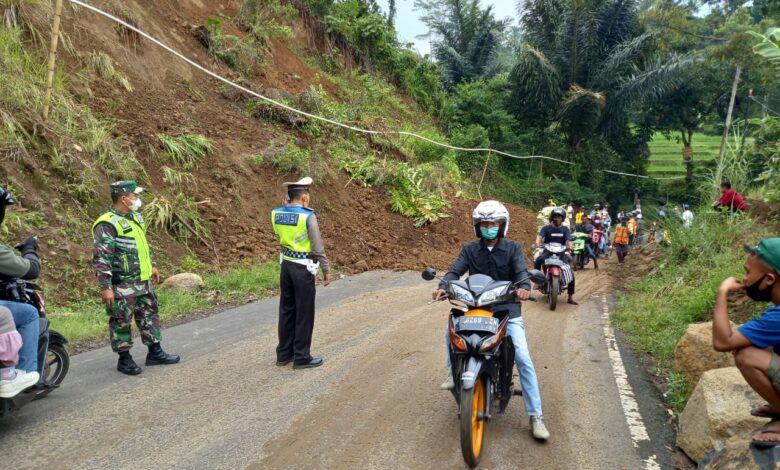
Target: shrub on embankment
{"points": [[680, 289]]}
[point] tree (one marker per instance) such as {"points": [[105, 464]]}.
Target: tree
{"points": [[585, 65], [466, 37]]}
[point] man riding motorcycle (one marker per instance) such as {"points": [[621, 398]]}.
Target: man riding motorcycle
{"points": [[556, 232], [501, 259], [27, 266]]}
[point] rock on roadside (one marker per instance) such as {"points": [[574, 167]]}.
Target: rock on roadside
{"points": [[718, 409], [695, 355], [184, 282], [738, 455]]}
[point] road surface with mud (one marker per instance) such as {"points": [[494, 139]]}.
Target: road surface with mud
{"points": [[375, 403]]}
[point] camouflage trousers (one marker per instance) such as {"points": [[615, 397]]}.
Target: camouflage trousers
{"points": [[139, 306]]}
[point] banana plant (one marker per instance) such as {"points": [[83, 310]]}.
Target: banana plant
{"points": [[768, 47]]}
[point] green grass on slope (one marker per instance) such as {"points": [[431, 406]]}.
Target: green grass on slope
{"points": [[87, 320], [656, 310]]}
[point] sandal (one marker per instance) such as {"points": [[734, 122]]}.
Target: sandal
{"points": [[572, 302], [761, 444], [757, 411]]}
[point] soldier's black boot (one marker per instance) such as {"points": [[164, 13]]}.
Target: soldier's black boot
{"points": [[127, 365], [157, 356]]}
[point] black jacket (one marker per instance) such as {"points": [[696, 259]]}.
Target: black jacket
{"points": [[504, 263]]}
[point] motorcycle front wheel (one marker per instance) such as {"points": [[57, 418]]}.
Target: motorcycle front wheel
{"points": [[472, 422], [555, 289]]}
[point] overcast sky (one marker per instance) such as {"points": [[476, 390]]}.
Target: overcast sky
{"points": [[408, 25]]}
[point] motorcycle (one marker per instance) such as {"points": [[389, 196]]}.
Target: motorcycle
{"points": [[51, 345], [580, 254], [481, 354], [556, 273]]}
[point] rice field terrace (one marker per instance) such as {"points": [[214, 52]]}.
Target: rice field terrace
{"points": [[666, 154]]}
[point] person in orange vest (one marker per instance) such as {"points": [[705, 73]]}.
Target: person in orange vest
{"points": [[631, 225], [622, 239]]}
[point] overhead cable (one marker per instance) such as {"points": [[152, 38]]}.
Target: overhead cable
{"points": [[322, 118]]}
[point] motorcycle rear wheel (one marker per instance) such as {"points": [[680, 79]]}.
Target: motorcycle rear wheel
{"points": [[56, 368], [472, 427], [555, 289]]}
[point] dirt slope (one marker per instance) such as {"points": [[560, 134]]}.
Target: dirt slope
{"points": [[168, 96]]}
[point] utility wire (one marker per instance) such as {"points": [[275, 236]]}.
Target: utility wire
{"points": [[324, 119]]}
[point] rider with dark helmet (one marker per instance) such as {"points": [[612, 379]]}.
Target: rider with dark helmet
{"points": [[556, 232], [27, 266]]}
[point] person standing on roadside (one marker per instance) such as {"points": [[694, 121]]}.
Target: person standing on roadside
{"points": [[622, 239], [687, 216], [125, 271], [756, 344], [302, 254]]}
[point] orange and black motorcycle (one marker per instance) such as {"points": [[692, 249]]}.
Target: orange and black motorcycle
{"points": [[481, 353]]}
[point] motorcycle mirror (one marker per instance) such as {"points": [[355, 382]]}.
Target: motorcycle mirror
{"points": [[537, 276], [429, 274]]}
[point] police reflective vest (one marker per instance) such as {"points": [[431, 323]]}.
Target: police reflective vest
{"points": [[621, 235], [132, 259], [289, 224]]}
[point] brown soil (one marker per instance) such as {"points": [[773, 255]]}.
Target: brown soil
{"points": [[360, 231]]}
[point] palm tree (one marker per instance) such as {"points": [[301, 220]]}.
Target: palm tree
{"points": [[585, 65], [466, 37]]}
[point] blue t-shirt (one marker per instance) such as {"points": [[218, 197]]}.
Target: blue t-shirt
{"points": [[764, 331]]}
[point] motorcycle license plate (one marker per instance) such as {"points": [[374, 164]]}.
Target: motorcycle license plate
{"points": [[488, 324]]}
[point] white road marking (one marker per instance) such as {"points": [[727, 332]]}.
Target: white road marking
{"points": [[630, 407]]}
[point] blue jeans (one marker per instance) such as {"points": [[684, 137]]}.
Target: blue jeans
{"points": [[26, 319], [532, 399], [603, 246]]}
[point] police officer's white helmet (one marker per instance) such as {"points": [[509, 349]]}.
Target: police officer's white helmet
{"points": [[490, 211]]}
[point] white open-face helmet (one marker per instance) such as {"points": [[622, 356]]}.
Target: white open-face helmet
{"points": [[490, 211]]}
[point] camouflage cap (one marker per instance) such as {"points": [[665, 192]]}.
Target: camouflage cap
{"points": [[126, 186], [768, 250]]}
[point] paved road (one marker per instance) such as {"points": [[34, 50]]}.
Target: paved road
{"points": [[375, 403]]}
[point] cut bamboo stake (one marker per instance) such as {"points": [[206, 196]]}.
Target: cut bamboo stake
{"points": [[719, 171], [484, 171], [55, 37]]}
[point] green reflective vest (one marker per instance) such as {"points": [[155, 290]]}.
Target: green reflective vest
{"points": [[289, 224], [132, 260]]}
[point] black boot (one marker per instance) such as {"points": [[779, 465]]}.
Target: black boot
{"points": [[158, 356], [127, 365]]}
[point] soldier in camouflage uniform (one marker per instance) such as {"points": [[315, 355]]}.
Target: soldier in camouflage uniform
{"points": [[125, 270]]}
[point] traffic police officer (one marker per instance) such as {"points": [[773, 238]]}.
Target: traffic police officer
{"points": [[125, 268], [302, 254]]}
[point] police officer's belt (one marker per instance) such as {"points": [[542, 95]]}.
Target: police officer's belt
{"points": [[295, 254]]}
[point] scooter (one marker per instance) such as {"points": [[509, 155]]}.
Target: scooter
{"points": [[481, 354], [51, 345], [580, 254], [556, 273]]}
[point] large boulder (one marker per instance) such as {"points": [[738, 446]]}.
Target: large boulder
{"points": [[184, 282], [737, 454], [695, 355], [718, 409]]}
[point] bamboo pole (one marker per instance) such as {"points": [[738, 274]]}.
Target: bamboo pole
{"points": [[484, 172], [55, 37], [719, 171]]}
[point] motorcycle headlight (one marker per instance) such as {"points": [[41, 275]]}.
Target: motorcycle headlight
{"points": [[491, 343], [490, 296], [459, 293]]}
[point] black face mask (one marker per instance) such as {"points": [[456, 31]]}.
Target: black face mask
{"points": [[759, 295]]}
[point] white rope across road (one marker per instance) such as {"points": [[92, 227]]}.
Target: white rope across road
{"points": [[322, 118]]}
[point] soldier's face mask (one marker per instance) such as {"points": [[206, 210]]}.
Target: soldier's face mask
{"points": [[133, 204]]}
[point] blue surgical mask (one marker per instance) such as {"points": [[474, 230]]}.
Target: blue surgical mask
{"points": [[489, 233]]}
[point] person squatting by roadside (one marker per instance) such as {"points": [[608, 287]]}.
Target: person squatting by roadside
{"points": [[302, 254], [502, 259], [756, 344], [126, 270], [25, 316], [556, 232]]}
